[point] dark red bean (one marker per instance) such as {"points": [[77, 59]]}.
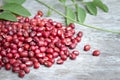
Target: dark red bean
{"points": [[27, 70], [24, 54], [41, 61], [5, 60], [16, 64], [42, 49], [72, 46], [12, 61], [55, 54], [80, 34], [21, 73], [33, 59], [36, 65], [31, 54], [87, 47], [64, 57], [7, 66], [16, 69], [29, 63], [22, 66], [60, 61], [48, 64], [96, 53], [76, 52], [40, 13], [24, 59], [72, 56]]}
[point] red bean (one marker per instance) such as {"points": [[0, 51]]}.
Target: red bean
{"points": [[80, 34], [29, 63], [36, 65], [37, 41], [72, 56], [21, 73], [7, 66], [24, 54], [12, 61], [76, 52], [48, 63], [87, 47], [33, 59], [16, 64], [96, 53], [22, 66], [27, 70], [60, 61], [64, 57], [16, 69]]}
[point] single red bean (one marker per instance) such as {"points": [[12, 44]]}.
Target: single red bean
{"points": [[22, 66], [31, 54], [16, 69], [36, 65], [87, 47], [76, 52], [12, 61], [41, 61], [55, 54], [96, 53], [33, 59], [72, 56], [29, 63], [24, 54], [27, 70], [16, 64], [80, 34], [21, 73], [16, 55], [63, 57], [48, 64], [7, 66], [5, 60], [60, 61]]}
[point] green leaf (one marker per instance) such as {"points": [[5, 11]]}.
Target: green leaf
{"points": [[81, 15], [63, 1], [70, 14], [73, 0], [101, 5], [17, 9], [91, 8], [48, 12], [14, 1], [6, 15]]}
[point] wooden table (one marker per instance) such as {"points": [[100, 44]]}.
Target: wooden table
{"points": [[85, 67]]}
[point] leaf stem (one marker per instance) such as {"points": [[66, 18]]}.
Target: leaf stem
{"points": [[97, 28]]}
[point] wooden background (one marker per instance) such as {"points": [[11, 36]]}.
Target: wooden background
{"points": [[85, 67]]}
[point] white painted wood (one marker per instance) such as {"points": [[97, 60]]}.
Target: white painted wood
{"points": [[85, 67]]}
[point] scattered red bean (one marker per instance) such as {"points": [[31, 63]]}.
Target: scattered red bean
{"points": [[96, 53], [87, 47]]}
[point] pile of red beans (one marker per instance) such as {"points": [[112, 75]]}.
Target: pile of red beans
{"points": [[37, 41]]}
